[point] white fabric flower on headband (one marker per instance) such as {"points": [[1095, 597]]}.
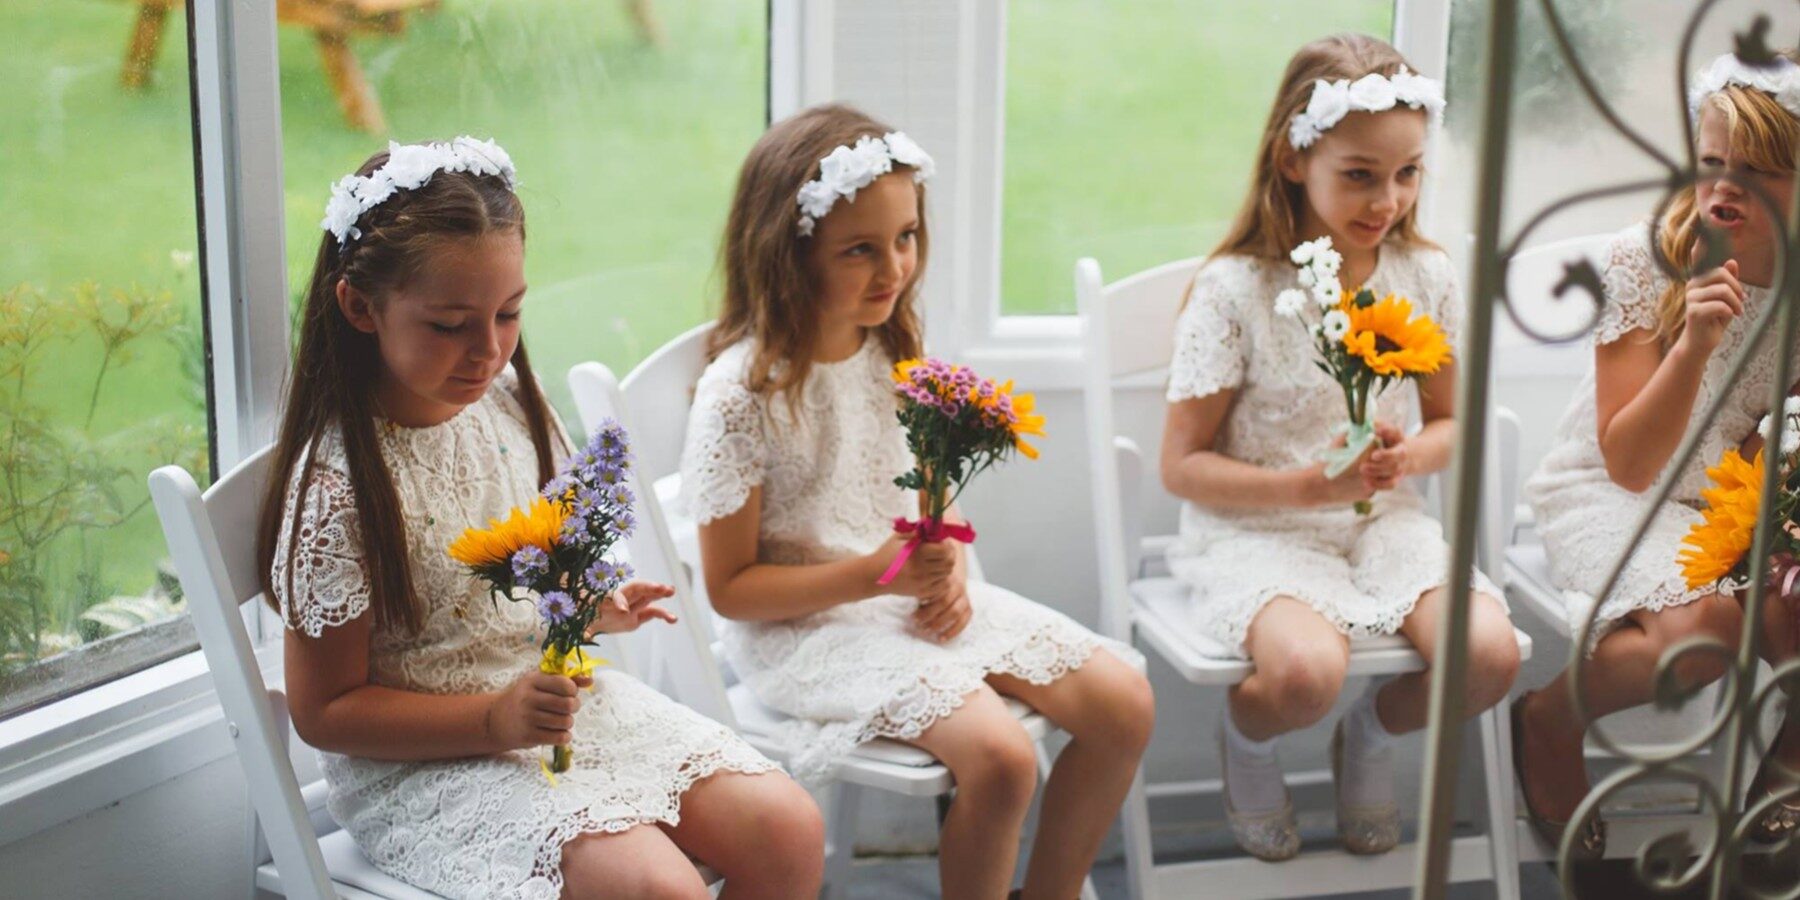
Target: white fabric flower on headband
{"points": [[1331, 101], [848, 169], [1780, 81], [408, 167]]}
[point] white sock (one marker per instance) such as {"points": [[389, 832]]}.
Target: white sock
{"points": [[1368, 776], [1254, 781]]}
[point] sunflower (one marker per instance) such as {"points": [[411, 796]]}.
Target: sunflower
{"points": [[537, 526], [1390, 341], [1024, 421], [1716, 544]]}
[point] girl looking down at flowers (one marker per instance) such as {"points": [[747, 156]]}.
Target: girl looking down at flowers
{"points": [[414, 413]]}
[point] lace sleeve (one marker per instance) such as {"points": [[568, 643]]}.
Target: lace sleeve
{"points": [[1633, 283], [723, 456], [1209, 343], [317, 576]]}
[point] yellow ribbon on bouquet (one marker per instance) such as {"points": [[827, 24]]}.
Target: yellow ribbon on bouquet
{"points": [[573, 664]]}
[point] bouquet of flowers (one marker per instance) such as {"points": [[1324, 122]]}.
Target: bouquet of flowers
{"points": [[554, 553], [958, 424], [1716, 550], [1365, 344]]}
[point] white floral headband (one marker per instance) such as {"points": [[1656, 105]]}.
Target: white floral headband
{"points": [[408, 167], [1374, 92], [1780, 80], [847, 169]]}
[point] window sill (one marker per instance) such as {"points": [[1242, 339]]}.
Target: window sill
{"points": [[98, 747]]}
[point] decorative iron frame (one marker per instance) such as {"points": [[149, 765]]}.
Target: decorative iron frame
{"points": [[1668, 863]]}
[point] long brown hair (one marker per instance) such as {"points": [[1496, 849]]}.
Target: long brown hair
{"points": [[768, 295], [336, 368], [1268, 223], [1764, 135]]}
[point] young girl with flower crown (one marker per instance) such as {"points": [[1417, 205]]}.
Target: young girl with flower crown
{"points": [[792, 450], [412, 415], [1663, 348], [1278, 562]]}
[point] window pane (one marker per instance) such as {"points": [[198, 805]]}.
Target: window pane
{"points": [[102, 370], [1130, 127], [627, 133]]}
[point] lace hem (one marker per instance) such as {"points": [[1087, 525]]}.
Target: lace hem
{"points": [[1667, 596], [1233, 628], [547, 871], [1042, 659]]}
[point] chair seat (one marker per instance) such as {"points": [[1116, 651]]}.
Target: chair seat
{"points": [[1162, 616], [352, 874], [1528, 581], [881, 763]]}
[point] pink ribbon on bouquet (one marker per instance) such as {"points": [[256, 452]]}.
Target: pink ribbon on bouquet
{"points": [[924, 531]]}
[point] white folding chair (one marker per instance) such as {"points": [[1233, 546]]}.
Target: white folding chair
{"points": [[653, 405], [1126, 328], [1525, 574], [212, 539]]}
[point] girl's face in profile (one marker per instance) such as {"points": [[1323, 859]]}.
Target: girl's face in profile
{"points": [[864, 252], [1361, 176]]}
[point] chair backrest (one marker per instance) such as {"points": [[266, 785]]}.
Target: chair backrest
{"points": [[212, 538], [677, 659], [1126, 330], [660, 391]]}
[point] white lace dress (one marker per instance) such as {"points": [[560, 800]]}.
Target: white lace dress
{"points": [[481, 827], [855, 671], [1584, 518], [1364, 574]]}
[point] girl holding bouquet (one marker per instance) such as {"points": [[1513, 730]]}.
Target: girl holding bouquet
{"points": [[1662, 349], [793, 451], [412, 415], [1281, 563]]}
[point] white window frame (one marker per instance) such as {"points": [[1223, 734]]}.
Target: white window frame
{"points": [[96, 747], [1042, 350]]}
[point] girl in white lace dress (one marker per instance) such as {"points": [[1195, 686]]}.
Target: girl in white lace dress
{"points": [[792, 450], [413, 415], [1278, 564], [1662, 349]]}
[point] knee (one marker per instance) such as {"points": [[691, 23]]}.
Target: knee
{"points": [[1000, 766], [791, 832], [1303, 684], [1126, 712], [669, 882], [1493, 666], [1714, 616]]}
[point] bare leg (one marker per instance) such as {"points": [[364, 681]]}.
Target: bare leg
{"points": [[1404, 703], [1620, 675], [639, 864], [995, 764], [787, 858], [1300, 664], [1107, 708]]}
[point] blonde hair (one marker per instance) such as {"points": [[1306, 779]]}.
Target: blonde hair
{"points": [[1765, 136], [1268, 223], [768, 294]]}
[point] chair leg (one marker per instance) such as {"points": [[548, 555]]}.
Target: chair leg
{"points": [[840, 839], [1140, 855], [1497, 766]]}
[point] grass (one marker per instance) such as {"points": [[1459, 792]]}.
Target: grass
{"points": [[1129, 133], [1130, 128]]}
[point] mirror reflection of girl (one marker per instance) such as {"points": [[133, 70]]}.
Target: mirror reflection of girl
{"points": [[1278, 563], [792, 449], [1661, 351]]}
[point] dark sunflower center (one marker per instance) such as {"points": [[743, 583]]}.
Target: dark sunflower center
{"points": [[1385, 344]]}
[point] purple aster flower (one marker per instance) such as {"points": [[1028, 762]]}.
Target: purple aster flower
{"points": [[556, 607], [622, 524], [529, 563], [620, 495], [600, 577]]}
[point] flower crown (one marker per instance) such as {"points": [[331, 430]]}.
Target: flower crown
{"points": [[1374, 92], [1780, 80], [408, 167], [849, 169]]}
